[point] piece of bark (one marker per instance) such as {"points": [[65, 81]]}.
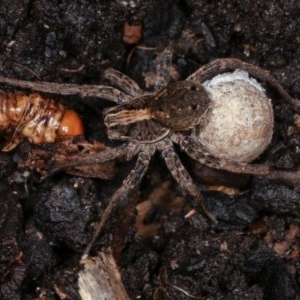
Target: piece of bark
{"points": [[49, 157], [100, 279]]}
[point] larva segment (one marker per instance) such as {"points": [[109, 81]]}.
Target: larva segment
{"points": [[71, 124], [35, 118]]}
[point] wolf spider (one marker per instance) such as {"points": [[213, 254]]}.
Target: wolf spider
{"points": [[147, 122]]}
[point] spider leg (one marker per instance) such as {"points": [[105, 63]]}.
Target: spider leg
{"points": [[164, 62], [85, 90], [127, 152], [195, 151], [131, 182], [230, 64], [183, 178], [123, 82]]}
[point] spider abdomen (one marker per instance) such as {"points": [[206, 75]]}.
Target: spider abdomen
{"points": [[239, 125]]}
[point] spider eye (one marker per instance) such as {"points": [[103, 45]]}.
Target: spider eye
{"points": [[193, 88]]}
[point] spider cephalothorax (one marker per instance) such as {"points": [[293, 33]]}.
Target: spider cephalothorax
{"points": [[178, 107], [194, 114]]}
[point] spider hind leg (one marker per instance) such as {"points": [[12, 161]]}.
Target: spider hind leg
{"points": [[183, 178], [222, 65]]}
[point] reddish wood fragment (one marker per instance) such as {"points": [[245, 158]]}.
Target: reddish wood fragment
{"points": [[132, 34]]}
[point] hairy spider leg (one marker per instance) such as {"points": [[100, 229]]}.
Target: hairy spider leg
{"points": [[127, 152], [123, 82], [287, 177], [196, 152], [131, 182], [231, 64], [183, 178], [164, 63], [85, 90]]}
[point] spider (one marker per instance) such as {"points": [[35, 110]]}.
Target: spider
{"points": [[147, 122]]}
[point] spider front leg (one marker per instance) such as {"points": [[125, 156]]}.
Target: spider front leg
{"points": [[85, 90], [131, 182], [164, 63], [196, 152], [123, 82], [183, 178]]}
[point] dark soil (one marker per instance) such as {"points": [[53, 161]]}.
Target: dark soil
{"points": [[253, 252]]}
